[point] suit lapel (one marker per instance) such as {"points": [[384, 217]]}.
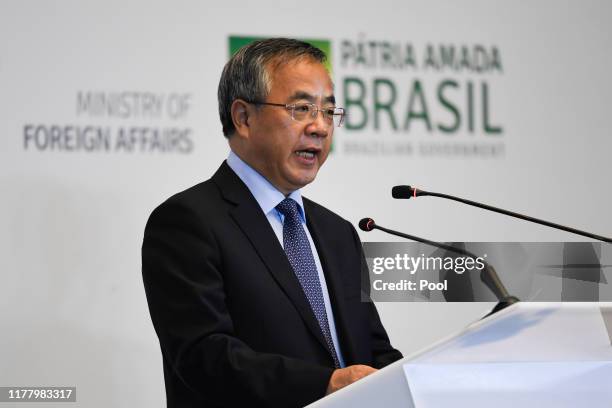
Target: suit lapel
{"points": [[333, 278], [254, 224]]}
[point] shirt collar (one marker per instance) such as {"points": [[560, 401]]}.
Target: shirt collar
{"points": [[266, 195]]}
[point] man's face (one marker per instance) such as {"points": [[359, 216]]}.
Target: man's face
{"points": [[285, 151]]}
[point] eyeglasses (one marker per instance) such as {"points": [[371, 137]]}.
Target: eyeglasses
{"points": [[301, 112]]}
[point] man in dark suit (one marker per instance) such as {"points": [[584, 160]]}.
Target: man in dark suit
{"points": [[254, 291]]}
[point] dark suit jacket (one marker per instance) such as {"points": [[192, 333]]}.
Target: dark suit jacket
{"points": [[234, 325]]}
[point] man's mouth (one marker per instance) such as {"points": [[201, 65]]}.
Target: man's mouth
{"points": [[307, 153]]}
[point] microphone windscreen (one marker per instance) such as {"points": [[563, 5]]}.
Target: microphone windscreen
{"points": [[366, 224], [402, 192]]}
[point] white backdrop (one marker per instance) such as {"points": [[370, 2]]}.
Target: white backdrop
{"points": [[72, 305]]}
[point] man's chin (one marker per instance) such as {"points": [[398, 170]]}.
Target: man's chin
{"points": [[303, 180]]}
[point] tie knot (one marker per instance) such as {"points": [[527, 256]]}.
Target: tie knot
{"points": [[289, 208]]}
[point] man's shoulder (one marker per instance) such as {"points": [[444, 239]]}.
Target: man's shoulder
{"points": [[186, 206], [204, 196], [201, 194], [201, 203]]}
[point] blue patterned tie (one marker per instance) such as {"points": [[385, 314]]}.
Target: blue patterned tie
{"points": [[297, 248]]}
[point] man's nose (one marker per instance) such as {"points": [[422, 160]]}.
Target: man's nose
{"points": [[319, 126]]}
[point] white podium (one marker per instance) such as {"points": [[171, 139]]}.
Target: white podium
{"points": [[528, 355]]}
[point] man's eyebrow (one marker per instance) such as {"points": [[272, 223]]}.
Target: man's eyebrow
{"points": [[310, 98], [331, 99]]}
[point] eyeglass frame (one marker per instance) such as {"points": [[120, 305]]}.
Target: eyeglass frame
{"points": [[315, 111]]}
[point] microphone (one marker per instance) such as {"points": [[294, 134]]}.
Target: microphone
{"points": [[407, 192], [403, 192], [488, 275], [367, 224]]}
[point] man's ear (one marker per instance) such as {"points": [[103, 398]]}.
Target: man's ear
{"points": [[241, 115]]}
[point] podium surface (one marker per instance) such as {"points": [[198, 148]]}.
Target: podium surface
{"points": [[529, 355]]}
